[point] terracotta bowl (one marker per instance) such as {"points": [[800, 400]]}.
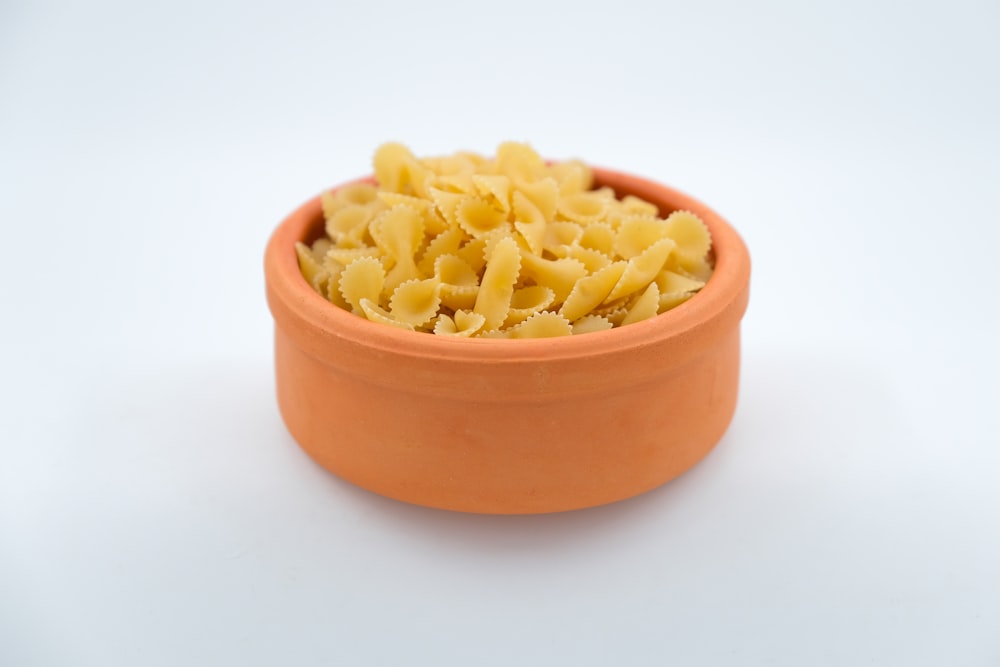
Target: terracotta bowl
{"points": [[509, 426]]}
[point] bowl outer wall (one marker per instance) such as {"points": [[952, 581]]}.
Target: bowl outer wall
{"points": [[505, 426]]}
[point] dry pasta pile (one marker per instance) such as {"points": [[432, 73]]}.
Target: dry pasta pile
{"points": [[508, 247]]}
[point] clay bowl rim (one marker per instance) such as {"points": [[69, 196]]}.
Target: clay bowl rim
{"points": [[724, 288]]}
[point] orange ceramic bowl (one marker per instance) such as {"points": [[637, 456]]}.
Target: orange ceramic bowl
{"points": [[509, 426]]}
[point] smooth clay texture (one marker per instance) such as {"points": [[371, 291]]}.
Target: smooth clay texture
{"points": [[509, 426]]}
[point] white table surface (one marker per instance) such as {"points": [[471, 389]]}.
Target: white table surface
{"points": [[153, 509]]}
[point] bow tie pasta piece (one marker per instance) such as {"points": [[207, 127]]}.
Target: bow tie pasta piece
{"points": [[635, 234], [463, 324], [637, 206], [599, 236], [572, 176], [373, 312], [445, 243], [459, 283], [542, 325], [433, 222], [348, 225], [473, 253], [561, 275], [477, 216], [520, 162], [416, 302], [445, 203], [332, 291], [592, 259], [527, 301], [589, 292], [501, 247], [458, 183], [582, 207], [544, 194], [347, 255], [529, 222], [692, 237], [352, 194], [494, 237], [646, 306], [495, 188], [312, 269], [396, 170], [400, 233], [672, 300], [497, 286], [561, 233], [453, 270], [362, 279], [641, 270], [591, 324], [670, 282]]}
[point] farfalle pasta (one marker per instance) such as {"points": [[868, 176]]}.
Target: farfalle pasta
{"points": [[503, 247]]}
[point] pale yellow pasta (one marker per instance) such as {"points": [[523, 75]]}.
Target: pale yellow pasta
{"points": [[544, 194], [459, 297], [599, 236], [320, 247], [347, 255], [446, 202], [505, 247], [492, 238], [416, 301], [572, 176], [477, 216], [559, 274], [691, 235], [496, 188], [460, 181], [473, 252], [358, 194], [636, 233], [520, 162], [542, 325], [311, 268], [593, 260], [362, 279], [463, 324], [332, 290], [455, 271], [591, 324], [400, 233], [591, 291], [398, 171], [615, 314], [527, 301], [445, 243], [670, 282], [374, 312], [633, 204], [646, 306], [349, 224], [497, 286], [529, 222], [582, 207], [560, 233], [673, 299], [641, 270]]}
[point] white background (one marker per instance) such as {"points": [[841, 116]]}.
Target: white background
{"points": [[153, 509]]}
